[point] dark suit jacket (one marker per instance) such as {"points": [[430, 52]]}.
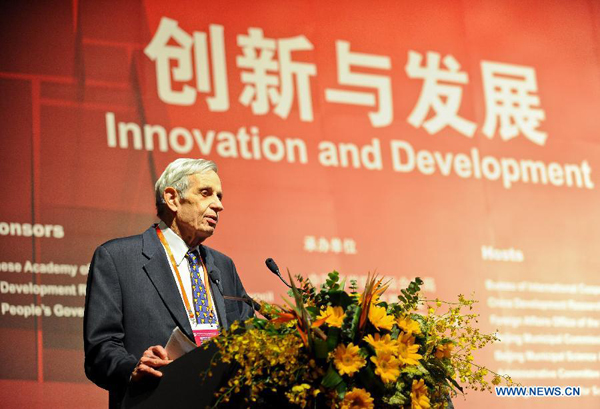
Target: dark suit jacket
{"points": [[132, 302]]}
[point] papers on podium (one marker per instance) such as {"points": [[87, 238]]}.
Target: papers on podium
{"points": [[179, 344]]}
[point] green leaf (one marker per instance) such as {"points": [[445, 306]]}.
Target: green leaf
{"points": [[351, 321], [321, 348], [341, 389], [398, 399], [414, 371], [456, 385], [368, 378], [340, 298], [300, 309], [313, 310], [260, 324], [332, 281], [331, 378], [342, 285], [333, 336], [436, 369], [395, 332]]}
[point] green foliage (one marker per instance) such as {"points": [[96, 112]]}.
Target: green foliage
{"points": [[306, 288], [351, 321], [322, 348], [326, 343], [353, 286], [332, 282], [368, 377], [339, 298], [332, 378], [330, 293], [409, 297], [333, 336], [399, 397], [414, 371]]}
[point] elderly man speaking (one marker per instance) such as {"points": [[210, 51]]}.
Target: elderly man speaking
{"points": [[141, 287]]}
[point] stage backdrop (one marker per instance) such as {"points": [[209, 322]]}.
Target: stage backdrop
{"points": [[457, 141]]}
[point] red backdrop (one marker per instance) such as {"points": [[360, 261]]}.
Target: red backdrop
{"points": [[455, 141]]}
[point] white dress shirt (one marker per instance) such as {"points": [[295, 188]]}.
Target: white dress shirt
{"points": [[179, 249]]}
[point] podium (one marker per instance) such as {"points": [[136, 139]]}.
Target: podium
{"points": [[183, 384]]}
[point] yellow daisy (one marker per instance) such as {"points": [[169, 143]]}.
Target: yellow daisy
{"points": [[381, 343], [379, 318], [408, 339], [334, 316], [407, 351], [418, 395], [387, 366], [407, 325], [444, 351], [347, 360], [357, 398]]}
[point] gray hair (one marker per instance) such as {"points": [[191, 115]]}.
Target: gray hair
{"points": [[176, 176]]}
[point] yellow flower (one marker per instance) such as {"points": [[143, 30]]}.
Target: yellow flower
{"points": [[418, 395], [407, 351], [444, 351], [300, 388], [387, 366], [334, 316], [381, 343], [379, 318], [374, 298], [347, 360], [407, 325], [299, 394], [357, 398], [408, 339]]}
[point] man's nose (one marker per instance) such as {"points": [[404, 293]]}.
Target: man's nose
{"points": [[217, 205]]}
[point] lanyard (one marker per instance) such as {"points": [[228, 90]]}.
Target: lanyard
{"points": [[188, 308]]}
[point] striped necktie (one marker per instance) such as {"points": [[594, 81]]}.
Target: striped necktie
{"points": [[204, 314]]}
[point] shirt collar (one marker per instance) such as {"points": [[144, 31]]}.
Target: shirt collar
{"points": [[179, 248]]}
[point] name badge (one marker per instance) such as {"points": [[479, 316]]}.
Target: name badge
{"points": [[204, 332]]}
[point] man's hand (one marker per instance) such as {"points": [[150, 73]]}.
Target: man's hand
{"points": [[154, 357]]}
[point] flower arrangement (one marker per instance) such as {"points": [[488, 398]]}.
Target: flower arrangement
{"points": [[349, 349]]}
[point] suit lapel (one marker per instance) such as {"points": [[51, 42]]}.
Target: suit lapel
{"points": [[159, 271], [216, 285]]}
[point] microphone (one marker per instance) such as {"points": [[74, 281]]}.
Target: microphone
{"points": [[250, 301], [215, 277], [245, 298], [272, 265]]}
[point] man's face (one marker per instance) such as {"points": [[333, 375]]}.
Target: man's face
{"points": [[198, 214]]}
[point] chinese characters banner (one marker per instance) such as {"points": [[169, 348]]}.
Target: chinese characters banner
{"points": [[454, 141]]}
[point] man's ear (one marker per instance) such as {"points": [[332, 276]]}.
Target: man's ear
{"points": [[171, 198]]}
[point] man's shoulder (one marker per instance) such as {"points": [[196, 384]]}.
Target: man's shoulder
{"points": [[122, 241], [128, 242], [217, 254]]}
